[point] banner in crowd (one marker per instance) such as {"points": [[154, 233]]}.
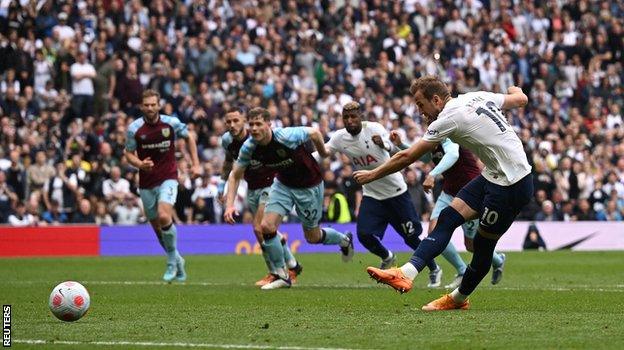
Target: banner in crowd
{"points": [[239, 239]]}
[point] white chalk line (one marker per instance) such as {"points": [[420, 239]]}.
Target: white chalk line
{"points": [[176, 344], [617, 288]]}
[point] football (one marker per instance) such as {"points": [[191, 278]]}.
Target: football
{"points": [[69, 301]]}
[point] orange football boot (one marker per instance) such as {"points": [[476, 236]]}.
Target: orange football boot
{"points": [[393, 277], [446, 302], [266, 280]]}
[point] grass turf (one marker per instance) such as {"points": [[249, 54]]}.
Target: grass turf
{"points": [[546, 300]]}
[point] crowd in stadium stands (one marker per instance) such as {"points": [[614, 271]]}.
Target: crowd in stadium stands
{"points": [[72, 74]]}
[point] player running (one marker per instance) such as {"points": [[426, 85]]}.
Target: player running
{"points": [[385, 201], [259, 180], [150, 146], [298, 183], [458, 166], [474, 121]]}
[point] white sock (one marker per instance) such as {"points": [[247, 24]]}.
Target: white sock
{"points": [[458, 297], [390, 255], [282, 272], [409, 270], [292, 263]]}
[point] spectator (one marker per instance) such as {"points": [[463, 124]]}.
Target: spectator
{"points": [[82, 73], [547, 213], [20, 217], [62, 188], [585, 212], [533, 239], [54, 215], [7, 198], [39, 173], [102, 217], [127, 213], [84, 215], [116, 188]]}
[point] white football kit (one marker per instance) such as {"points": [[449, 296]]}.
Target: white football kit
{"points": [[475, 121], [365, 154]]}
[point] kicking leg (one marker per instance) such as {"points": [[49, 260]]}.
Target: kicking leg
{"points": [[273, 245]]}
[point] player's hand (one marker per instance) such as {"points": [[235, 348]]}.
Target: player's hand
{"points": [[363, 176], [429, 183], [395, 138], [195, 171], [146, 164], [378, 141], [228, 215]]}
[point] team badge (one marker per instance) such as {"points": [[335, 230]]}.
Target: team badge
{"points": [[166, 132], [281, 153]]}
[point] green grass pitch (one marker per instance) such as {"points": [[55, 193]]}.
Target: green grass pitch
{"points": [[549, 300]]}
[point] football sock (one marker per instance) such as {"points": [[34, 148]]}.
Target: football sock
{"points": [[276, 254], [458, 297], [497, 260], [291, 262], [373, 244], [265, 255], [333, 237], [452, 256], [170, 241], [409, 270], [480, 264], [438, 239]]}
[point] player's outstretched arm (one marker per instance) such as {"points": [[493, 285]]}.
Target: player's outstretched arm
{"points": [[232, 188], [399, 161], [515, 98], [319, 143], [195, 167]]}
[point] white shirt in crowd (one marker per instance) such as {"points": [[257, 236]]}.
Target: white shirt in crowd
{"points": [[365, 154], [109, 187], [82, 86], [475, 122]]}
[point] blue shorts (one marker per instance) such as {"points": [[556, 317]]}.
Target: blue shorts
{"points": [[308, 202], [255, 198], [497, 205], [166, 192], [444, 200], [399, 212]]}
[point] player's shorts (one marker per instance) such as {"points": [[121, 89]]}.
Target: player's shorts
{"points": [[399, 212], [444, 200], [497, 205], [308, 202], [166, 192], [257, 197]]}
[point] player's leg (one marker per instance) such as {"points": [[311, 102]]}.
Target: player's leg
{"points": [[450, 218], [279, 204], [498, 259], [406, 222], [167, 194], [450, 252], [309, 207], [501, 205], [253, 200], [149, 198], [371, 225]]}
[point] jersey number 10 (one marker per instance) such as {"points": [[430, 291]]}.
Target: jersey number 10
{"points": [[493, 113]]}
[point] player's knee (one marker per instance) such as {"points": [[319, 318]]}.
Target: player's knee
{"points": [[164, 218], [268, 228], [314, 236]]}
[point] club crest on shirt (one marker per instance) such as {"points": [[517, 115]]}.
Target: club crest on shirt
{"points": [[281, 153], [166, 132]]}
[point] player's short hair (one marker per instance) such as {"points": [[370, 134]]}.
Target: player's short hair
{"points": [[150, 93], [235, 109], [259, 112], [429, 86], [351, 106]]}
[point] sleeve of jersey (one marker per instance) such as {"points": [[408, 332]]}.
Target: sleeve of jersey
{"points": [[439, 130], [131, 144], [498, 99], [181, 130], [331, 145], [292, 137], [451, 154], [244, 155]]}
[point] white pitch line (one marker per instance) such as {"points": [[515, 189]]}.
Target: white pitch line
{"points": [[177, 344], [619, 288]]}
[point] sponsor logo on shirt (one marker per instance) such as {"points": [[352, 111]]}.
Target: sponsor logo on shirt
{"points": [[163, 144]]}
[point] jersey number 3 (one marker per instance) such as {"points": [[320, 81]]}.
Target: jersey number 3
{"points": [[493, 113]]}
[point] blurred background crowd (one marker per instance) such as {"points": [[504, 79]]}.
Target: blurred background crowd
{"points": [[72, 73]]}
